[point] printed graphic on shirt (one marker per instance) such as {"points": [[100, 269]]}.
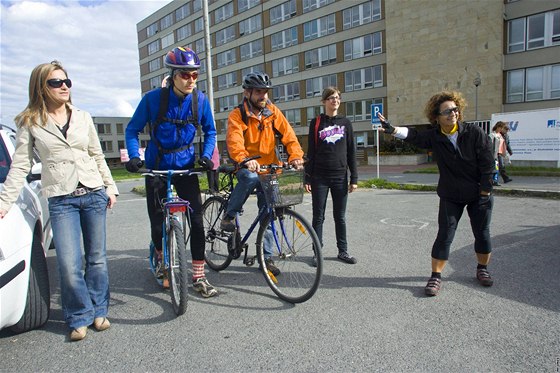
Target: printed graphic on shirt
{"points": [[331, 134]]}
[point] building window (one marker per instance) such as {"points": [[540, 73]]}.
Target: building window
{"points": [[183, 12], [314, 86], [226, 58], [197, 5], [314, 111], [228, 103], [283, 39], [361, 14], [251, 49], [154, 65], [257, 68], [285, 66], [167, 40], [106, 146], [250, 25], [243, 5], [184, 32], [120, 144], [309, 5], [225, 35], [293, 116], [222, 13], [202, 86], [104, 128], [360, 110], [155, 82], [153, 47], [120, 128], [536, 31], [286, 92], [152, 29], [320, 57], [363, 46], [166, 21], [198, 25], [283, 12], [369, 77], [533, 84], [319, 27], [227, 80], [199, 46]]}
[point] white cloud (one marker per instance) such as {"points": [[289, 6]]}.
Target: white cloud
{"points": [[96, 41]]}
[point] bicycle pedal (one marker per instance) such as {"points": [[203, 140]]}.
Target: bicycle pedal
{"points": [[250, 262]]}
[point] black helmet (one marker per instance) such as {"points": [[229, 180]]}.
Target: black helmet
{"points": [[256, 80]]}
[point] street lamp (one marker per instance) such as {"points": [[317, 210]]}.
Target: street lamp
{"points": [[476, 82]]}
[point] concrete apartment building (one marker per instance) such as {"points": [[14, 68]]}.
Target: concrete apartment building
{"points": [[503, 55]]}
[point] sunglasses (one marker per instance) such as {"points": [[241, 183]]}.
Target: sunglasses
{"points": [[57, 83], [447, 112], [188, 75]]}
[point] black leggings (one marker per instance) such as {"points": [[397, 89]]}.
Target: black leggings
{"points": [[187, 188], [480, 214]]}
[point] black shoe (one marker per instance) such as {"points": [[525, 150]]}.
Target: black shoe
{"points": [[343, 255], [271, 267], [227, 224], [507, 180], [495, 183]]}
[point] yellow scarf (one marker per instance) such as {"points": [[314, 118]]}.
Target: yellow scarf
{"points": [[453, 130]]}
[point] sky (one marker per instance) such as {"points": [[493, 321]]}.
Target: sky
{"points": [[96, 42]]}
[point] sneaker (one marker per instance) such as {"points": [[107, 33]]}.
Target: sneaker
{"points": [[483, 277], [345, 257], [78, 334], [227, 224], [202, 286], [271, 266], [433, 287], [508, 180], [495, 183]]}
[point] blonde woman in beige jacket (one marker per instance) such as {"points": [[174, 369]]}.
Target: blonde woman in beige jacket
{"points": [[79, 187]]}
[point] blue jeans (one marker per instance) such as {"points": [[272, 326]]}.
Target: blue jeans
{"points": [[247, 181], [85, 294], [339, 192]]}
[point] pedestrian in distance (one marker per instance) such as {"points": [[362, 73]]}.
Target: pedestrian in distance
{"points": [[169, 112], [504, 151], [465, 162], [496, 139], [251, 131], [331, 155], [79, 187]]}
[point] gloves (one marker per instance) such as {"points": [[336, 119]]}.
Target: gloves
{"points": [[134, 164], [206, 163], [389, 129]]}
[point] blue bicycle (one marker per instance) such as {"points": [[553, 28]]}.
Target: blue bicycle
{"points": [[176, 235], [295, 246]]}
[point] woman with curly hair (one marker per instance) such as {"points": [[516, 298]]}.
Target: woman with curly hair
{"points": [[465, 162]]}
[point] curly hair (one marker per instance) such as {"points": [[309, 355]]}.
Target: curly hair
{"points": [[432, 106]]}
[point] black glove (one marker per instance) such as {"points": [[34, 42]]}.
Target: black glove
{"points": [[134, 164], [387, 127], [206, 163]]}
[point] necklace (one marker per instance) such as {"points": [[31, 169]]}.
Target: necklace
{"points": [[57, 122]]}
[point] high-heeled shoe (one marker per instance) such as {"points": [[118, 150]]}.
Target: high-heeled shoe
{"points": [[101, 323], [78, 334]]}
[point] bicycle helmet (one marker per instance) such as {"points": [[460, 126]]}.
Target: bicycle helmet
{"points": [[182, 58], [256, 80]]}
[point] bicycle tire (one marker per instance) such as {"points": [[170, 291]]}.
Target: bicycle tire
{"points": [[177, 271], [299, 278], [216, 252]]}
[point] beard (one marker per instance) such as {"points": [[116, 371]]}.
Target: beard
{"points": [[259, 103]]}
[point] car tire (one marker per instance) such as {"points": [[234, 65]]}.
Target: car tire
{"points": [[37, 307]]}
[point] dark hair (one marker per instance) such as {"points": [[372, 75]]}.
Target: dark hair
{"points": [[432, 106], [498, 125], [328, 92]]}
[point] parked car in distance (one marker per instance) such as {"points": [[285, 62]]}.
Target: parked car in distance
{"points": [[25, 237]]}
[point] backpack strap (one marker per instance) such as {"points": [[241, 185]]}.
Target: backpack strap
{"points": [[317, 121]]}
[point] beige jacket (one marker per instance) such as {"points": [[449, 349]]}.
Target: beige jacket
{"points": [[65, 162]]}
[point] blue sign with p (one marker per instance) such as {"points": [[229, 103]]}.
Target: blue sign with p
{"points": [[375, 109]]}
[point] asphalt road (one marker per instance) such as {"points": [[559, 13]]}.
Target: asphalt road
{"points": [[371, 316]]}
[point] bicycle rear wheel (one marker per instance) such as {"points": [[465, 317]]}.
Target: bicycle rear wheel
{"points": [[216, 253], [297, 255], [178, 276]]}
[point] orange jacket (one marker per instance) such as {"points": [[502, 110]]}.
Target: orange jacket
{"points": [[257, 137]]}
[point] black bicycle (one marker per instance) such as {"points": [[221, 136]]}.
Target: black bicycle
{"points": [[296, 248]]}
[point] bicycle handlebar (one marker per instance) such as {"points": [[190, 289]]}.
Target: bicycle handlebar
{"points": [[192, 171]]}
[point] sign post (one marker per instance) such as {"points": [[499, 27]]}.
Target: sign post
{"points": [[375, 125]]}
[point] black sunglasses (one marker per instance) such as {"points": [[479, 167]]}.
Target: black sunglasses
{"points": [[448, 112], [57, 83]]}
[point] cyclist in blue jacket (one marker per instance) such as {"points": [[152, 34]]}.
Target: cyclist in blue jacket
{"points": [[173, 114]]}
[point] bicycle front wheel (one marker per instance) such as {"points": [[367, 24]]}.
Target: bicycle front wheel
{"points": [[216, 252], [177, 271], [296, 252]]}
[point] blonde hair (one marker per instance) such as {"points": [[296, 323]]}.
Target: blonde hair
{"points": [[40, 95], [432, 106]]}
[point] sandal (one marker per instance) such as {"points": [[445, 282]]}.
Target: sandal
{"points": [[101, 323], [433, 287], [483, 277]]}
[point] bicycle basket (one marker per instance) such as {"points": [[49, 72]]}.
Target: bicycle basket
{"points": [[285, 189]]}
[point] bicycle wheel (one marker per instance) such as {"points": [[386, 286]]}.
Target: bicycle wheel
{"points": [[298, 245], [216, 253], [177, 271]]}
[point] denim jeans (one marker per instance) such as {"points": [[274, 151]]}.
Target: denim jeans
{"points": [[247, 181], [84, 289], [339, 192], [480, 214]]}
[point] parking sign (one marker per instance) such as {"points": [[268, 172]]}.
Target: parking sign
{"points": [[376, 108]]}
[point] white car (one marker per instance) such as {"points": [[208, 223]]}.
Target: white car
{"points": [[25, 236]]}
